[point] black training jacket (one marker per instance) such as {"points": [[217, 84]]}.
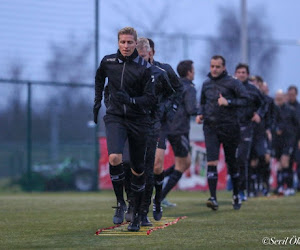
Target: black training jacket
{"points": [[163, 86], [174, 100], [256, 104], [176, 84], [287, 120], [163, 91], [268, 121], [231, 89], [296, 106], [130, 74], [270, 115], [188, 107]]}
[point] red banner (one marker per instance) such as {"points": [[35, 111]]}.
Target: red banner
{"points": [[195, 177], [192, 179], [104, 177]]}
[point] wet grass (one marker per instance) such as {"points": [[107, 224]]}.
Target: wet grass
{"points": [[69, 220]]}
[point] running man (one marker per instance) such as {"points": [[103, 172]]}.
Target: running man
{"points": [[221, 95], [253, 113], [131, 96]]}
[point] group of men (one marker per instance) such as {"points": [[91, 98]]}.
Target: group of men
{"points": [[147, 104]]}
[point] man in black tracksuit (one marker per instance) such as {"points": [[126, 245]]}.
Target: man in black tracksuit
{"points": [[221, 94], [131, 95], [163, 91], [287, 127], [168, 114], [253, 113], [260, 156], [292, 101], [179, 128], [269, 121]]}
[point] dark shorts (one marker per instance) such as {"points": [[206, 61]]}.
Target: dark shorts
{"points": [[244, 147], [118, 130], [161, 142], [283, 145], [297, 155], [180, 143], [228, 135], [162, 136], [126, 156], [259, 147], [152, 141]]}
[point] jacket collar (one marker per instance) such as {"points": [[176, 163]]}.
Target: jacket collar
{"points": [[184, 79], [294, 104], [127, 58], [223, 74]]}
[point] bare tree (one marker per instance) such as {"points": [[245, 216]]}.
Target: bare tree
{"points": [[69, 106], [151, 23], [69, 61], [262, 53]]}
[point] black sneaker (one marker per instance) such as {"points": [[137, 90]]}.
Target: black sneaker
{"points": [[119, 213], [212, 203], [236, 202], [134, 225], [129, 212], [157, 210], [145, 222]]}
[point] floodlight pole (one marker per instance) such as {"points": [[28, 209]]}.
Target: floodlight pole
{"points": [[29, 139]]}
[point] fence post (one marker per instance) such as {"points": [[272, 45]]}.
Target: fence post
{"points": [[29, 138], [96, 181]]}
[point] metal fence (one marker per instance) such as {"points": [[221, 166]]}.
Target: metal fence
{"points": [[47, 131], [43, 122]]}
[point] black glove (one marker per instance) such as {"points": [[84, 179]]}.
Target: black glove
{"points": [[124, 98], [96, 111]]}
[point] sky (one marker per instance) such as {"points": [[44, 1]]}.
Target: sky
{"points": [[28, 27]]}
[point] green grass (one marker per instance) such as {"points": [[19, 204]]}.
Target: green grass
{"points": [[69, 220]]}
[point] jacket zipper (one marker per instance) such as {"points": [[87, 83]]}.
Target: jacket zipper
{"points": [[124, 106]]}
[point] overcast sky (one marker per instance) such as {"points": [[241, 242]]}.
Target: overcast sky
{"points": [[28, 26]]}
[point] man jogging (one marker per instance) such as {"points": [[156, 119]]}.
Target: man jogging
{"points": [[179, 128], [285, 136], [163, 90], [131, 95], [248, 115], [292, 101], [221, 94], [169, 112]]}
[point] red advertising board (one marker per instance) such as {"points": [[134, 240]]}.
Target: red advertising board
{"points": [[193, 179]]}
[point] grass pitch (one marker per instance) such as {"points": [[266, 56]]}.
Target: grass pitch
{"points": [[69, 220]]}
